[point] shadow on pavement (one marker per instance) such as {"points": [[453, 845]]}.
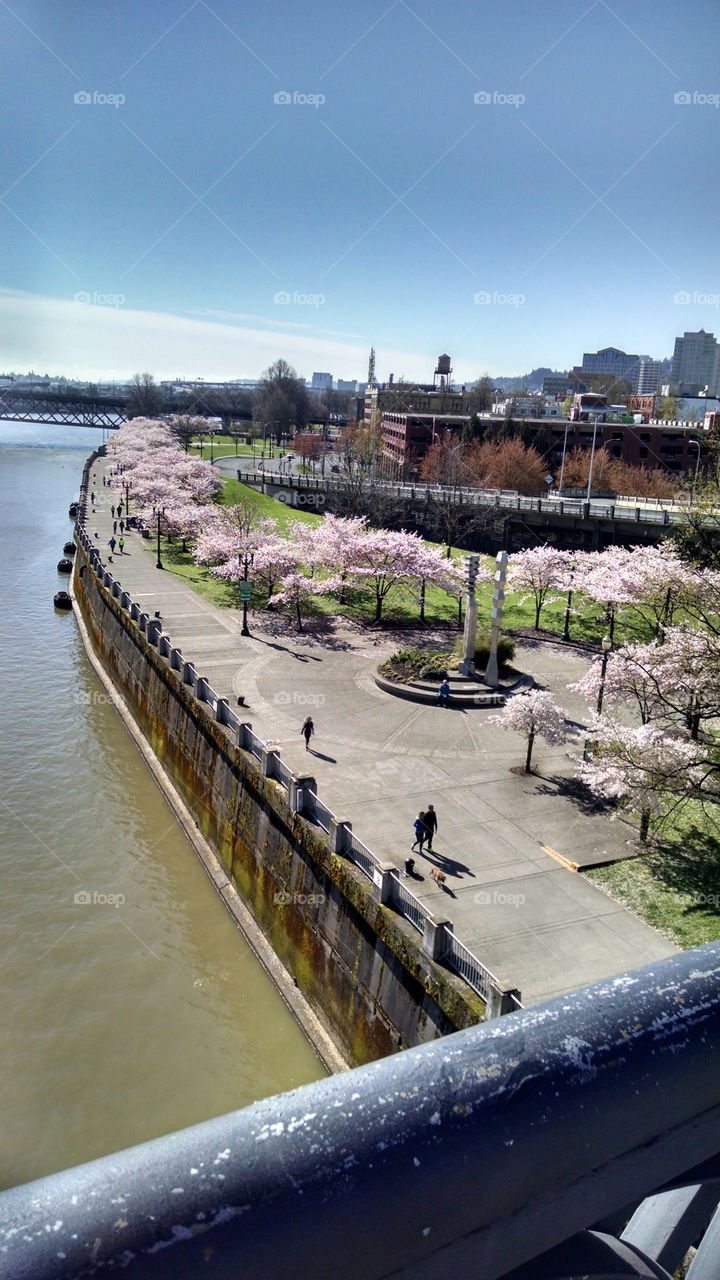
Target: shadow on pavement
{"points": [[576, 791]]}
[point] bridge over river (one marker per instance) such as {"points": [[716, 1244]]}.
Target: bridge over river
{"points": [[82, 409]]}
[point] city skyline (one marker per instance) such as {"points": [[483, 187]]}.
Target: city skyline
{"points": [[188, 189]]}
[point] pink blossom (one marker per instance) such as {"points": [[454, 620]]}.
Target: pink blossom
{"points": [[533, 713]]}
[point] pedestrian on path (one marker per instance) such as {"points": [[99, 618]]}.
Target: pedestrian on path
{"points": [[122, 526], [111, 545], [307, 731], [431, 823], [114, 526], [421, 832], [112, 510], [92, 497], [104, 482], [121, 545], [119, 509]]}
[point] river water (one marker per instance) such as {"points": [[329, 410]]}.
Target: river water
{"points": [[143, 1011]]}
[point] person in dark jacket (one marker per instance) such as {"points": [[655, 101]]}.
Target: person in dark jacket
{"points": [[421, 832], [431, 823]]}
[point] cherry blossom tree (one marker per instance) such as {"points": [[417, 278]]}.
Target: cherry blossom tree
{"points": [[534, 714], [296, 589], [541, 573], [644, 769], [388, 560], [675, 681]]}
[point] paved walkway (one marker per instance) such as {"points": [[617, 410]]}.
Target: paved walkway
{"points": [[378, 760]]}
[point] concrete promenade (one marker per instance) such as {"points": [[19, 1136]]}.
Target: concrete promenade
{"points": [[504, 839]]}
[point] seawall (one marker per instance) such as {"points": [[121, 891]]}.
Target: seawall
{"points": [[366, 973]]}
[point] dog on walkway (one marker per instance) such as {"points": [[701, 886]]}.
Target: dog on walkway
{"points": [[438, 876]]}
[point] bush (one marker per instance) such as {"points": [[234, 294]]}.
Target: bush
{"points": [[414, 664], [505, 651]]}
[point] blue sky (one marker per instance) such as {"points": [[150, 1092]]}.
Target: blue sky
{"points": [[185, 222]]}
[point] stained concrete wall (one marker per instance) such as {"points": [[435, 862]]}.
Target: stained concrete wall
{"points": [[360, 966]]}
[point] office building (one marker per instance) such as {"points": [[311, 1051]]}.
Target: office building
{"points": [[695, 362], [613, 362], [648, 379], [322, 382]]}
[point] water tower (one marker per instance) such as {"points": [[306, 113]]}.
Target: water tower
{"points": [[441, 377]]}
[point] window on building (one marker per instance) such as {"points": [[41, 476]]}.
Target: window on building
{"points": [[642, 451]]}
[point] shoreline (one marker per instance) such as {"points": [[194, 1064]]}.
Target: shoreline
{"points": [[318, 1038]]}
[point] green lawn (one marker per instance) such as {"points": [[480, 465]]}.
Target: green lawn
{"points": [[675, 885]]}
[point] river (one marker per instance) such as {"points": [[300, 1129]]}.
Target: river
{"points": [[144, 1010]]}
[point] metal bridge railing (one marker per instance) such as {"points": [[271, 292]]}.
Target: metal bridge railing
{"points": [[578, 1138]]}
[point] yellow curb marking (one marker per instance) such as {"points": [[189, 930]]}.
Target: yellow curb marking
{"points": [[565, 862]]}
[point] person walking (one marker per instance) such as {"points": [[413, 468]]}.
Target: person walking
{"points": [[104, 482], [121, 545], [307, 731], [114, 526], [92, 497], [431, 823], [122, 526], [112, 510], [111, 545], [421, 832], [443, 694], [119, 509]]}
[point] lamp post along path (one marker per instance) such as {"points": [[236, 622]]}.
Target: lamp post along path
{"points": [[492, 675]]}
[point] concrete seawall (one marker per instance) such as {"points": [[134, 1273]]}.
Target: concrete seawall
{"points": [[360, 966]]}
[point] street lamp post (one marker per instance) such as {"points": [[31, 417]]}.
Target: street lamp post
{"points": [[126, 487], [562, 464], [158, 512], [697, 468], [592, 459], [606, 647], [566, 623], [246, 558]]}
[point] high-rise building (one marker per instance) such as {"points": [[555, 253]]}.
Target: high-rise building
{"points": [[611, 360], [648, 379], [322, 382], [696, 362], [346, 384]]}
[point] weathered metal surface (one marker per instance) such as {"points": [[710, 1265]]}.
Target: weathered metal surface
{"points": [[468, 1156]]}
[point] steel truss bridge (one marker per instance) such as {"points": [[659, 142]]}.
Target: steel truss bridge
{"points": [[75, 409]]}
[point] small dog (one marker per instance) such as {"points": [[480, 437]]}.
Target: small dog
{"points": [[438, 876]]}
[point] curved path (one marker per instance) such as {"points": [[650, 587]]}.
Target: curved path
{"points": [[504, 840]]}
